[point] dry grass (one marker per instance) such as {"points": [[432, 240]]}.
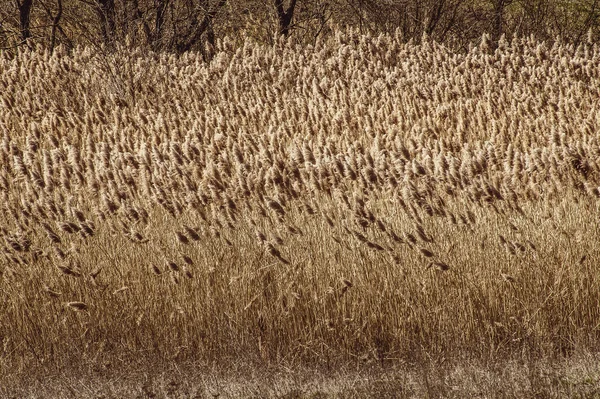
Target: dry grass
{"points": [[577, 377], [359, 201]]}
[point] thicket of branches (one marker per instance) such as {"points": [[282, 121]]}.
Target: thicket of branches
{"points": [[182, 25]]}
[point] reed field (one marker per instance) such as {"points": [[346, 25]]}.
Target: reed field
{"points": [[360, 202]]}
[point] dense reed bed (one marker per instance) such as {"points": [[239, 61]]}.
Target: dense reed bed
{"points": [[360, 201]]}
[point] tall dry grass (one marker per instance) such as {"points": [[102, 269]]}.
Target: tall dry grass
{"points": [[359, 200]]}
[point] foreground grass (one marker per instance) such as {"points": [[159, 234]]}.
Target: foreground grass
{"points": [[577, 377]]}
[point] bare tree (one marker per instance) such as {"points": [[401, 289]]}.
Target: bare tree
{"points": [[54, 20], [25, 17], [183, 25], [534, 17], [106, 14], [285, 16], [498, 19], [435, 15], [159, 22], [592, 18], [200, 25]]}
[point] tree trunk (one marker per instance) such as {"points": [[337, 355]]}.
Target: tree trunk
{"points": [[593, 15], [106, 13], [55, 22], [285, 16], [159, 22], [435, 16], [498, 20], [138, 18], [25, 17], [203, 26]]}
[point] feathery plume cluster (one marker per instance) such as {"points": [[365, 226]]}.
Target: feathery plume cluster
{"points": [[225, 201]]}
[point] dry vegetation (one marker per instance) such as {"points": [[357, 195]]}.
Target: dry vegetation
{"points": [[360, 201]]}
